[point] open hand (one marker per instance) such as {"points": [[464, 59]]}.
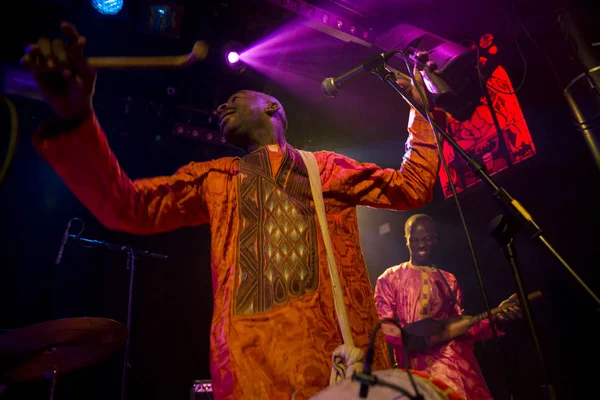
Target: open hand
{"points": [[62, 73]]}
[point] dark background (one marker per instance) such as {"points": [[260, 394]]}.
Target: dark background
{"points": [[172, 305]]}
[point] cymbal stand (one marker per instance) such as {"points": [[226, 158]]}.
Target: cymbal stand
{"points": [[51, 375], [126, 365], [131, 255]]}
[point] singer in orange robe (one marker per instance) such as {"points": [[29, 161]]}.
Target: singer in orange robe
{"points": [[274, 326]]}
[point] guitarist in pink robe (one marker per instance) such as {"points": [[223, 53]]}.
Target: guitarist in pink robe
{"points": [[415, 290]]}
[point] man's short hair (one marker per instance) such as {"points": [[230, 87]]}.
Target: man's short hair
{"points": [[414, 218]]}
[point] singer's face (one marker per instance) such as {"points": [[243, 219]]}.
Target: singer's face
{"points": [[421, 241], [244, 112]]}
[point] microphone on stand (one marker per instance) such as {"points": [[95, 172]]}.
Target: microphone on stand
{"points": [[331, 86], [63, 243]]}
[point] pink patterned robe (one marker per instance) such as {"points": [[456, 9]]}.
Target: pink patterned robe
{"points": [[414, 293]]}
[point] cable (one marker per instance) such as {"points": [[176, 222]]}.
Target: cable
{"points": [[411, 378], [78, 235], [522, 26], [405, 356], [524, 29], [520, 51], [374, 380], [519, 25], [369, 361], [580, 126], [14, 133]]}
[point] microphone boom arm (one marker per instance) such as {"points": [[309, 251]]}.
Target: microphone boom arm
{"points": [[331, 86], [137, 252]]}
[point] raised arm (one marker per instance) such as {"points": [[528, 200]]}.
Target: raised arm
{"points": [[76, 147], [367, 184], [409, 187], [83, 159]]}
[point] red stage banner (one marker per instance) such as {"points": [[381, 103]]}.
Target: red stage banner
{"points": [[480, 139]]}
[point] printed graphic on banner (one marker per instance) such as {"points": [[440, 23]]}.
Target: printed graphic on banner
{"points": [[480, 139]]}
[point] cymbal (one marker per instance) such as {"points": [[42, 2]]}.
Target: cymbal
{"points": [[68, 344]]}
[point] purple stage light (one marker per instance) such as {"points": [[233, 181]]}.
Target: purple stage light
{"points": [[233, 57], [289, 56], [232, 52]]}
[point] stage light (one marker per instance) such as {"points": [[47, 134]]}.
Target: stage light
{"points": [[233, 57], [332, 24], [232, 52], [108, 7]]}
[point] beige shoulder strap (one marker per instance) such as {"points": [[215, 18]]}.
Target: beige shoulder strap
{"points": [[350, 356]]}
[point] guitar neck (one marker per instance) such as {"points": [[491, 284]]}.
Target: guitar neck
{"points": [[498, 310]]}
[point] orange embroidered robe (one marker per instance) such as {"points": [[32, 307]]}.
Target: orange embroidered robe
{"points": [[274, 326]]}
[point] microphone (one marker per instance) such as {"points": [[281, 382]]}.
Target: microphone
{"points": [[62, 244], [331, 86]]}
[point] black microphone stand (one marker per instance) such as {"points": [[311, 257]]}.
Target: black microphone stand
{"points": [[503, 228], [513, 212], [131, 254]]}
